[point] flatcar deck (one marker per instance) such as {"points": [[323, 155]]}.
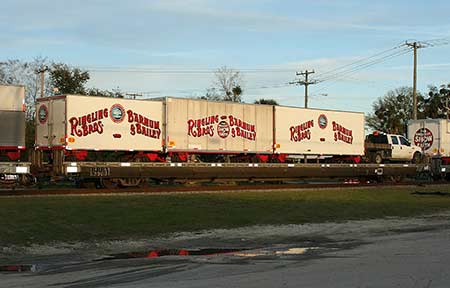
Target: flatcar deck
{"points": [[237, 171]]}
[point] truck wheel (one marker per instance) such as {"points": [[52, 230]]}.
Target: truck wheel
{"points": [[378, 158], [416, 158]]}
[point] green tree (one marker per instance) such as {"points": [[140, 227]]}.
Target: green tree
{"points": [[437, 102], [266, 101], [68, 80], [392, 111], [115, 93], [72, 80]]}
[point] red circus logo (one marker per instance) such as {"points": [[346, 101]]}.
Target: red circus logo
{"points": [[117, 113], [423, 138], [223, 129], [43, 114], [323, 121]]}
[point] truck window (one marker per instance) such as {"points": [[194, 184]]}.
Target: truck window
{"points": [[377, 139], [404, 141], [394, 140]]}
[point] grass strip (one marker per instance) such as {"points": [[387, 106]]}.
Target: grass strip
{"points": [[39, 220]]}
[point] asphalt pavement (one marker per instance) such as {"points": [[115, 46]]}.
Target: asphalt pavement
{"points": [[375, 253]]}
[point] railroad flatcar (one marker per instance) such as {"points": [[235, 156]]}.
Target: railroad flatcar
{"points": [[107, 140]]}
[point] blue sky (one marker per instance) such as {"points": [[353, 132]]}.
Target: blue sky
{"points": [[165, 44]]}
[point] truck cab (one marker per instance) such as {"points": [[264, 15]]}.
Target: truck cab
{"points": [[392, 147]]}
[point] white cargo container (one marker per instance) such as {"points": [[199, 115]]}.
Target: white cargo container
{"points": [[432, 135], [12, 130], [12, 98], [12, 117], [218, 127], [318, 132], [99, 123]]}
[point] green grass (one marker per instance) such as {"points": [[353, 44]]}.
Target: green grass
{"points": [[27, 220]]}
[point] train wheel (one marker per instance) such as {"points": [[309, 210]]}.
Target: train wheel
{"points": [[130, 182], [396, 179], [378, 158], [109, 183], [416, 158], [7, 181], [27, 180]]}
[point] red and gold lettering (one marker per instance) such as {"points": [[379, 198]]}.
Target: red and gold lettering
{"points": [[342, 134], [301, 132]]}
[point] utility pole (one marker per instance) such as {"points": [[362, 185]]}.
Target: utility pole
{"points": [[305, 83], [415, 46], [42, 73]]}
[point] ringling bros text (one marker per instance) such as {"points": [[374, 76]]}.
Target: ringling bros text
{"points": [[94, 123], [302, 132], [223, 126]]}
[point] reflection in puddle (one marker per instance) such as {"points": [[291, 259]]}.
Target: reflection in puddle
{"points": [[249, 254], [290, 251], [296, 251]]}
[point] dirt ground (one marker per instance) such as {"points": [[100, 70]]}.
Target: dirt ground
{"points": [[254, 237], [393, 252]]}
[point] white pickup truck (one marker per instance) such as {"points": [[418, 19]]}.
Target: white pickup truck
{"points": [[380, 147]]}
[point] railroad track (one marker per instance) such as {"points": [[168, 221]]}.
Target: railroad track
{"points": [[190, 189]]}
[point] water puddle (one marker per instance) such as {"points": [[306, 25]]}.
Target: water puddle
{"points": [[18, 268], [239, 252], [288, 251], [296, 251], [172, 252]]}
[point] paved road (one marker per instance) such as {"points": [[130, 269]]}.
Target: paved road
{"points": [[388, 253]]}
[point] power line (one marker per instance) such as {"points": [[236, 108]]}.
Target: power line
{"points": [[437, 42], [199, 90], [178, 71], [333, 80], [329, 77], [352, 70], [336, 73], [355, 68], [361, 60]]}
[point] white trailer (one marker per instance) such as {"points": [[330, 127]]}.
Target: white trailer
{"points": [[12, 98], [432, 135], [12, 117], [12, 135], [75, 122], [318, 132], [218, 127]]}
